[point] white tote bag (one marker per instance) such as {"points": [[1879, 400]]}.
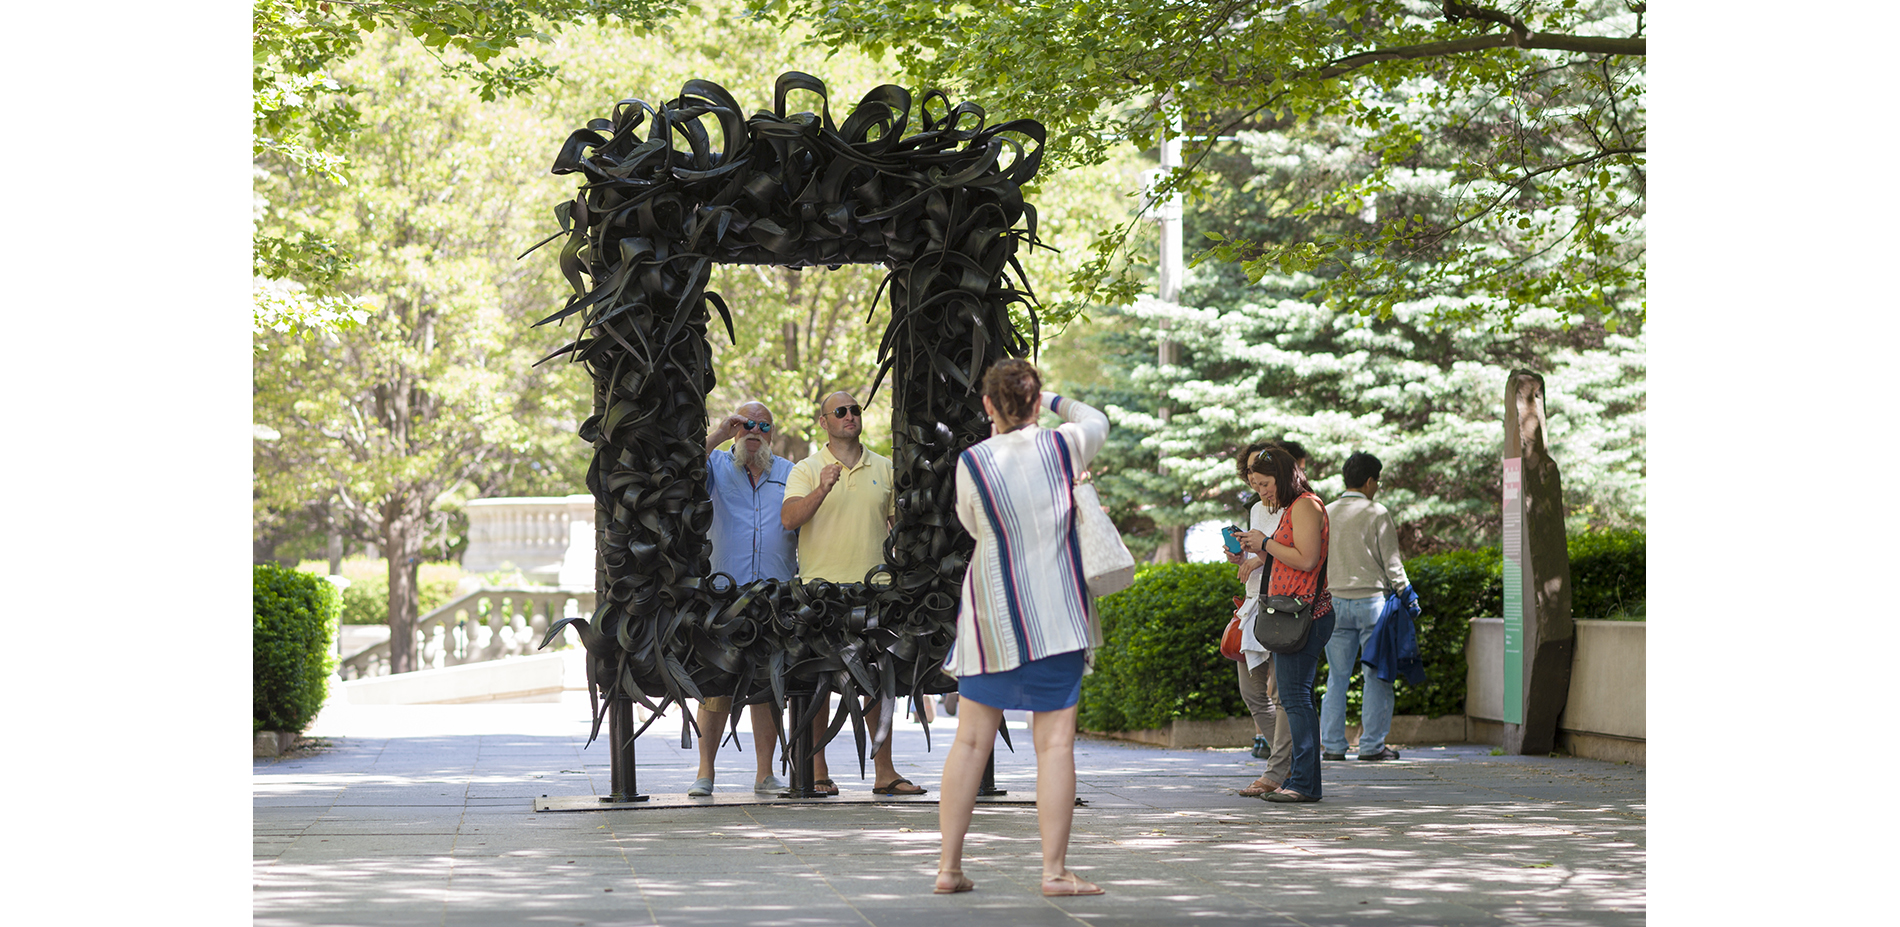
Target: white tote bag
{"points": [[1105, 559]]}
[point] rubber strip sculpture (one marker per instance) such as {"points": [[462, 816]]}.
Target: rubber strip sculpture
{"points": [[659, 205]]}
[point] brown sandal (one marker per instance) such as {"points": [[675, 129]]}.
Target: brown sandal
{"points": [[962, 884], [1260, 786]]}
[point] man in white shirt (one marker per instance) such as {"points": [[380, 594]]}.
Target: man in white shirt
{"points": [[1362, 566]]}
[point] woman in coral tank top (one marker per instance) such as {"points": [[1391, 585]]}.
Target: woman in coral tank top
{"points": [[1298, 548]]}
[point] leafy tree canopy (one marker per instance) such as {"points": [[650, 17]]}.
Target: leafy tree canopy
{"points": [[1524, 126], [303, 109], [1261, 359]]}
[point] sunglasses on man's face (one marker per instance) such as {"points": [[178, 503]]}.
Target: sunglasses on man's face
{"points": [[843, 411], [763, 427]]}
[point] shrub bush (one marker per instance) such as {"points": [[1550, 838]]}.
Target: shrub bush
{"points": [[1452, 588], [366, 600], [1161, 655], [293, 630], [1608, 575]]}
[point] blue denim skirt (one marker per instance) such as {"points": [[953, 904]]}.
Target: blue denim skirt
{"points": [[1049, 684]]}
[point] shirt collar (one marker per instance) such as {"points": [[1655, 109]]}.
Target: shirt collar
{"points": [[1352, 492], [864, 455]]}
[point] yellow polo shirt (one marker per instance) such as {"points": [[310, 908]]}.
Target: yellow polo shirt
{"points": [[845, 538]]}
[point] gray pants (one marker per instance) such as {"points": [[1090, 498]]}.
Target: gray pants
{"points": [[1263, 701]]}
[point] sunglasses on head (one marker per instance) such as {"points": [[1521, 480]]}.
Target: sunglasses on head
{"points": [[843, 411], [763, 427]]}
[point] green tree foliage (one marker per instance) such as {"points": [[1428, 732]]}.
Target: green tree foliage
{"points": [[293, 631], [434, 396], [1524, 128], [1259, 355], [304, 112], [1426, 400]]}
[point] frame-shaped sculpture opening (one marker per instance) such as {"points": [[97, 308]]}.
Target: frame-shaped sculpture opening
{"points": [[942, 208]]}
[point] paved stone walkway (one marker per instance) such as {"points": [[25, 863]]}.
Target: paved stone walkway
{"points": [[413, 815]]}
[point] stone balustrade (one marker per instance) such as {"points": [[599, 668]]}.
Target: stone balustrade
{"points": [[485, 624], [550, 539]]}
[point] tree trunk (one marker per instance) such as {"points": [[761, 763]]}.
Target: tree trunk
{"points": [[402, 543], [334, 546]]}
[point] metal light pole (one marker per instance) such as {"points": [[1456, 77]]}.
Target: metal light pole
{"points": [[1167, 212]]}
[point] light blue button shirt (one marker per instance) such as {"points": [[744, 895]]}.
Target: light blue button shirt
{"points": [[748, 540]]}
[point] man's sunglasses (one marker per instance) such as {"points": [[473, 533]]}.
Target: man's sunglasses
{"points": [[763, 427], [843, 411]]}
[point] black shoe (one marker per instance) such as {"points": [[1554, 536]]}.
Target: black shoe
{"points": [[1260, 748], [1385, 753], [1332, 756]]}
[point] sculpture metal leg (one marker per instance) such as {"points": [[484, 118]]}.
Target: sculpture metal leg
{"points": [[988, 785], [624, 777], [802, 747]]}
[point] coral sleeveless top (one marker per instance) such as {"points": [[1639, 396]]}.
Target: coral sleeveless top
{"points": [[1303, 583]]}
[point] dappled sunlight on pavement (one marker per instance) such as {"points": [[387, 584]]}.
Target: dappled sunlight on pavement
{"points": [[428, 817]]}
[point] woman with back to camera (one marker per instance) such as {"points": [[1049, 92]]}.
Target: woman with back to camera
{"points": [[1298, 548], [1027, 620]]}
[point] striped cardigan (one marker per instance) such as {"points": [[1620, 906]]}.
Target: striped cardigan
{"points": [[1024, 595]]}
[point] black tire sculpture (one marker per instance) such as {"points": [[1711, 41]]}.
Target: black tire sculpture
{"points": [[940, 208]]}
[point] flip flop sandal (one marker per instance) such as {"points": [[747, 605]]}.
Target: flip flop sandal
{"points": [[825, 785], [963, 884], [1068, 884], [897, 787]]}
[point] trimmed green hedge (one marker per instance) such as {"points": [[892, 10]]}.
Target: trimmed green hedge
{"points": [[1608, 573], [1452, 588], [1161, 654], [366, 600], [1161, 660], [293, 632]]}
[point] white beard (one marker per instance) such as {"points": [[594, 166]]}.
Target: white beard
{"points": [[744, 461]]}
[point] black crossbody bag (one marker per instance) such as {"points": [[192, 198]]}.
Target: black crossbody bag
{"points": [[1285, 621]]}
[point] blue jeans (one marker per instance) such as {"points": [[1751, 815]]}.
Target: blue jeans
{"points": [[1350, 636], [1294, 672]]}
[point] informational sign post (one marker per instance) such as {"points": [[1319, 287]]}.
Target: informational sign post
{"points": [[1514, 590], [1539, 636]]}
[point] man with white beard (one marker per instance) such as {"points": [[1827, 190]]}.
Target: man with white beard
{"points": [[747, 485]]}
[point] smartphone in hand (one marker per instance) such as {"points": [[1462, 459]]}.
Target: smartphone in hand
{"points": [[1231, 536]]}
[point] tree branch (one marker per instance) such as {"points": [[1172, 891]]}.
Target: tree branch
{"points": [[1588, 44]]}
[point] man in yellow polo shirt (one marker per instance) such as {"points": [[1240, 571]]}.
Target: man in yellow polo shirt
{"points": [[841, 501]]}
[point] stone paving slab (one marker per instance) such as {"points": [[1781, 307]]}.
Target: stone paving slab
{"points": [[425, 815]]}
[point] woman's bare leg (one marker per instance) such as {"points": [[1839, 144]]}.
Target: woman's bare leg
{"points": [[1054, 734], [962, 772]]}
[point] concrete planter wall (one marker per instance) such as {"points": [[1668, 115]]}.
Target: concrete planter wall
{"points": [[1605, 711], [272, 743]]}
